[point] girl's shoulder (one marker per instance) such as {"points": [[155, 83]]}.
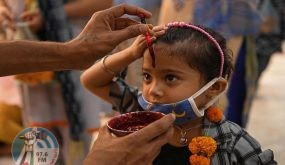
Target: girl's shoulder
{"points": [[240, 145]]}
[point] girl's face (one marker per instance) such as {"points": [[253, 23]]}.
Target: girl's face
{"points": [[171, 80]]}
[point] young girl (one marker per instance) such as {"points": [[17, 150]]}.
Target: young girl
{"points": [[187, 76]]}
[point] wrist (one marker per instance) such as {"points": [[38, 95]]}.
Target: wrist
{"points": [[132, 53], [105, 67], [79, 56]]}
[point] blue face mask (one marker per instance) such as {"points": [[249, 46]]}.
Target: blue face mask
{"points": [[185, 110]]}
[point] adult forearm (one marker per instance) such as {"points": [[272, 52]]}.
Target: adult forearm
{"points": [[85, 8], [100, 36], [29, 56], [2, 3]]}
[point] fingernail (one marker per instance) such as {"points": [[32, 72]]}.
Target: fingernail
{"points": [[173, 116], [141, 15], [143, 29]]}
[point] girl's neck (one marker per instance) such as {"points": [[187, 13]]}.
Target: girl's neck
{"points": [[193, 129], [192, 123]]}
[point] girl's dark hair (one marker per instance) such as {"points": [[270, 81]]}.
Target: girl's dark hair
{"points": [[198, 50]]}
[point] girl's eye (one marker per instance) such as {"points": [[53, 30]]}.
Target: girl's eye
{"points": [[170, 78], [146, 77]]}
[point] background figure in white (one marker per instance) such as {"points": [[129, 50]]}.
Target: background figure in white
{"points": [[44, 103], [91, 105]]}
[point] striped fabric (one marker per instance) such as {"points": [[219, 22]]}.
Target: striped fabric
{"points": [[235, 145]]}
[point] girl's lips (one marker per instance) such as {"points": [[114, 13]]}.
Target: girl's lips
{"points": [[151, 101]]}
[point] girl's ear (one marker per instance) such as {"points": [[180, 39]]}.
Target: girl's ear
{"points": [[217, 88]]}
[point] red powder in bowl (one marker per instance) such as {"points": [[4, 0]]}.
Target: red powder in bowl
{"points": [[130, 122]]}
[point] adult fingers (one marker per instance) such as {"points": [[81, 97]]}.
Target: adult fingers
{"points": [[165, 137], [155, 129], [156, 144], [26, 15], [7, 14], [104, 133], [130, 32], [121, 23], [29, 14], [118, 11]]}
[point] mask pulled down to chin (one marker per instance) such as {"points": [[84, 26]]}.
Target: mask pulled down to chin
{"points": [[185, 110]]}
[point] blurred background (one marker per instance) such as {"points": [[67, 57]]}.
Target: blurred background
{"points": [[58, 102]]}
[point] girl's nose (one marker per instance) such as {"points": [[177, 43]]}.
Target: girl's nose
{"points": [[155, 90]]}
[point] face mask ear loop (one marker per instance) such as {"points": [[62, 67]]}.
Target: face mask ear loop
{"points": [[201, 112], [197, 112], [210, 103]]}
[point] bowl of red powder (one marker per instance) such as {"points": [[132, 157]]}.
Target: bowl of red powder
{"points": [[133, 121]]}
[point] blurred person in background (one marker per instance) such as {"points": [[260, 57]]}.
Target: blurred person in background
{"points": [[74, 109], [271, 34], [10, 100], [45, 96]]}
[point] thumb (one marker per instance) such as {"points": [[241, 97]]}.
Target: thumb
{"points": [[131, 31], [104, 132]]}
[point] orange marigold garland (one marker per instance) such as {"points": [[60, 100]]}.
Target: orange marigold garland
{"points": [[199, 160], [35, 78], [203, 147], [214, 114]]}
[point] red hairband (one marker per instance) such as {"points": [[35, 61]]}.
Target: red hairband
{"points": [[183, 24]]}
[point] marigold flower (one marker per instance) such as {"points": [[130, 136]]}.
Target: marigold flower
{"points": [[214, 114], [199, 160], [35, 78], [204, 145]]}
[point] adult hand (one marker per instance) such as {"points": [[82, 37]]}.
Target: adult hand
{"points": [[106, 29], [34, 20], [6, 17], [139, 45], [140, 147]]}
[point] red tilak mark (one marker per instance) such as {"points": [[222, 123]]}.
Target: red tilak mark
{"points": [[148, 41]]}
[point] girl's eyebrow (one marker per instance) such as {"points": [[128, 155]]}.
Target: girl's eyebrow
{"points": [[171, 71], [165, 71], [145, 69]]}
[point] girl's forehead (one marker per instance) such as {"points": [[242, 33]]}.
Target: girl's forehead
{"points": [[164, 61], [165, 52]]}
